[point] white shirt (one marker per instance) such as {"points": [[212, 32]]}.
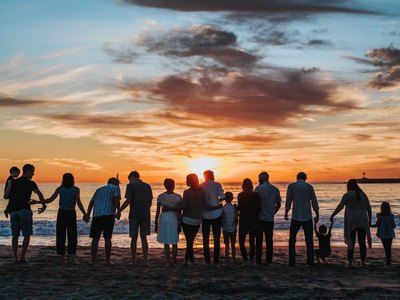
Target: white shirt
{"points": [[213, 191], [270, 197], [302, 195]]}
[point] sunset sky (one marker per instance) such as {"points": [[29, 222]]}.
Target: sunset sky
{"points": [[169, 87]]}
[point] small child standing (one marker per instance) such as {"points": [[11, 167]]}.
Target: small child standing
{"points": [[385, 223], [229, 226], [324, 240], [14, 174]]}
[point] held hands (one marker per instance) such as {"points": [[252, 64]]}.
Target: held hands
{"points": [[86, 218], [331, 219], [118, 215], [42, 209], [316, 219]]}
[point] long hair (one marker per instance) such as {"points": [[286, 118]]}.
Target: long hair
{"points": [[385, 208], [352, 185], [68, 180], [247, 185], [193, 181]]}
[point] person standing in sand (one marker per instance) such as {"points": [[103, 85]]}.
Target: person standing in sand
{"points": [[211, 216], [104, 203], [139, 197], [302, 196], [20, 210], [166, 223], [270, 200], [357, 220]]}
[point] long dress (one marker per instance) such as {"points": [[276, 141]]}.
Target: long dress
{"points": [[168, 222]]}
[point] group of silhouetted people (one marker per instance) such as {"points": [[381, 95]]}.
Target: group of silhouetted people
{"points": [[200, 205]]}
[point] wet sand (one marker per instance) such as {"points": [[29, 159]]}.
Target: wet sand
{"points": [[44, 277]]}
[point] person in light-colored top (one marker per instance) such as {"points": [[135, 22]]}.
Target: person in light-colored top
{"points": [[166, 223], [270, 200], [212, 215], [193, 203], [357, 219], [302, 196], [229, 226], [386, 225], [66, 216], [104, 203]]}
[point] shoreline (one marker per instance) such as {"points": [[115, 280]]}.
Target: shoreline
{"points": [[44, 276]]}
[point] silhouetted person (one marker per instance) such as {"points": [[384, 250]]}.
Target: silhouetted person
{"points": [[139, 197], [193, 204], [229, 226], [270, 200], [166, 223], [212, 215], [324, 241], [357, 220], [20, 209], [249, 209], [386, 225], [104, 203], [14, 173], [66, 216], [302, 196]]}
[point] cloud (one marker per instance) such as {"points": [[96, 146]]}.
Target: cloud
{"points": [[318, 43], [13, 102], [235, 99], [254, 6], [362, 137], [275, 37], [120, 54], [202, 41], [387, 63]]}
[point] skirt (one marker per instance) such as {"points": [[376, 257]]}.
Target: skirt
{"points": [[168, 228]]}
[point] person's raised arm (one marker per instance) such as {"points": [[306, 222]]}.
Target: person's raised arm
{"points": [[79, 202], [289, 200], [53, 197]]}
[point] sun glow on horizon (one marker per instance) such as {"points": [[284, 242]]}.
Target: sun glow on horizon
{"points": [[200, 164]]}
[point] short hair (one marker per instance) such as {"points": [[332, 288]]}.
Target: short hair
{"points": [[169, 183], [263, 176], [228, 197], [68, 180], [27, 167], [14, 170], [302, 175], [208, 174], [113, 181], [134, 174], [322, 229], [247, 185]]}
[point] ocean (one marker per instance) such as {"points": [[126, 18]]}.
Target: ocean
{"points": [[328, 194]]}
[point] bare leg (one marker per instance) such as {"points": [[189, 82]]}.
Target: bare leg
{"points": [[94, 246], [25, 245], [324, 260], [15, 247], [145, 248], [167, 254], [107, 247], [133, 249], [317, 256]]}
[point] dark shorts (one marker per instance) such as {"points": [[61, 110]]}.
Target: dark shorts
{"points": [[229, 236], [136, 224], [103, 224], [21, 220]]}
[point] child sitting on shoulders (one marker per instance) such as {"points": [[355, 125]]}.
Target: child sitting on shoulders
{"points": [[385, 223], [14, 174], [324, 240], [229, 226]]}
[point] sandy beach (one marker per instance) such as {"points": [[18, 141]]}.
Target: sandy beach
{"points": [[44, 277]]}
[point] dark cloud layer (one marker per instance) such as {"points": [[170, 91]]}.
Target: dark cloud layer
{"points": [[255, 6], [98, 121], [202, 41], [387, 63], [238, 100], [13, 102]]}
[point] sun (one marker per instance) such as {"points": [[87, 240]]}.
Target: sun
{"points": [[200, 164]]}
